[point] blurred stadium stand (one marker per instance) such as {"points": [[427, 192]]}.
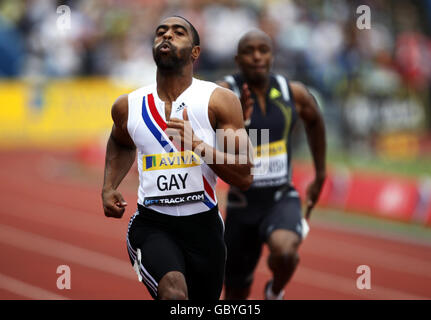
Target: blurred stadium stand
{"points": [[373, 85]]}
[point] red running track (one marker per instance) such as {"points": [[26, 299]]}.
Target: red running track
{"points": [[51, 215]]}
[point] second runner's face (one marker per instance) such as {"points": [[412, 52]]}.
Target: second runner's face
{"points": [[254, 58], [173, 44]]}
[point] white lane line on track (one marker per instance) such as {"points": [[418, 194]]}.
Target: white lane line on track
{"points": [[67, 217], [346, 285], [54, 248], [366, 255], [117, 267], [63, 216], [27, 290], [327, 281], [321, 224], [387, 235]]}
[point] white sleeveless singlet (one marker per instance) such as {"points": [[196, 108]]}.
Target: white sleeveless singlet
{"points": [[172, 181]]}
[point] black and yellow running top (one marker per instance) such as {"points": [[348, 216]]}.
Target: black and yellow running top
{"points": [[274, 153]]}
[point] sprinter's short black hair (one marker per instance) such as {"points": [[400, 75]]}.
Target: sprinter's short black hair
{"points": [[195, 34]]}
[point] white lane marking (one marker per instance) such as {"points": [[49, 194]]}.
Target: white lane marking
{"points": [[346, 285], [54, 248], [27, 290], [366, 255]]}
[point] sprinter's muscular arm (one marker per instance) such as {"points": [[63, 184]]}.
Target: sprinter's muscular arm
{"points": [[120, 155], [231, 163]]}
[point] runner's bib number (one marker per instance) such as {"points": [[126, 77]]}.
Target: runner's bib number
{"points": [[271, 165], [172, 178]]}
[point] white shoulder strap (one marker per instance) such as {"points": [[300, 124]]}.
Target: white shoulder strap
{"points": [[231, 80], [283, 86]]}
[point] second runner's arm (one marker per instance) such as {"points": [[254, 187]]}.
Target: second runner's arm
{"points": [[246, 100], [309, 113]]}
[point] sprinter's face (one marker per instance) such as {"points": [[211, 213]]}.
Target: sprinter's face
{"points": [[255, 58], [173, 44]]}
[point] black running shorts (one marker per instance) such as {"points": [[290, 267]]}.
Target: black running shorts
{"points": [[193, 245], [247, 228]]}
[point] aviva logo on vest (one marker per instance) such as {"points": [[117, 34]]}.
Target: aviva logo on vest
{"points": [[172, 160], [271, 149]]}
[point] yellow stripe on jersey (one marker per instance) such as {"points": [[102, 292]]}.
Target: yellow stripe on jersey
{"points": [[287, 112], [274, 93], [171, 160], [271, 149]]}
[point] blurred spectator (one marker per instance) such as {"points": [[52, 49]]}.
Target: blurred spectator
{"points": [[358, 73]]}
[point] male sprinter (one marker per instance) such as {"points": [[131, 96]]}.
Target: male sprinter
{"points": [[270, 211], [176, 238]]}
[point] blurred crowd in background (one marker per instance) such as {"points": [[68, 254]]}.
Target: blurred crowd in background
{"points": [[373, 85]]}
